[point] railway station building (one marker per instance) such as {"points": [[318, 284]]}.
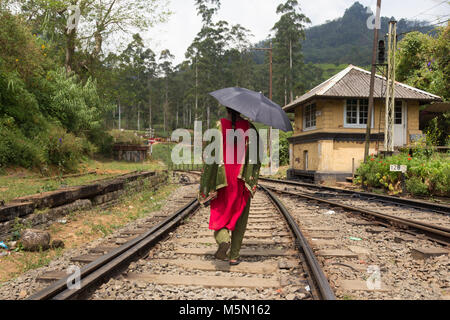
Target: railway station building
{"points": [[331, 119]]}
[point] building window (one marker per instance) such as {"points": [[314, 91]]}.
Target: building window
{"points": [[398, 112], [356, 113], [310, 116], [352, 111], [363, 111]]}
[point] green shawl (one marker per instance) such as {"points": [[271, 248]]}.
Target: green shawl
{"points": [[214, 177]]}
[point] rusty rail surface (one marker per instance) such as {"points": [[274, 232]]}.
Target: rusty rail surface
{"points": [[324, 288]]}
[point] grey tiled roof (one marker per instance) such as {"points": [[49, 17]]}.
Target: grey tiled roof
{"points": [[354, 82]]}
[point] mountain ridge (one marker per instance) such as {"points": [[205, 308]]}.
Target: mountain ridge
{"points": [[348, 39]]}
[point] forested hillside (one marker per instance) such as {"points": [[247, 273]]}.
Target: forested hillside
{"points": [[348, 40]]}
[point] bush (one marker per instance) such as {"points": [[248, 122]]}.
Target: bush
{"points": [[126, 137], [76, 105], [65, 150], [428, 173], [47, 117], [416, 185], [17, 149], [102, 140], [284, 148]]}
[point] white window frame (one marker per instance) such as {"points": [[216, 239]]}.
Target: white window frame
{"points": [[304, 118], [355, 125]]}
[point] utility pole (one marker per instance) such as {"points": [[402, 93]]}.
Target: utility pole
{"points": [[390, 91], [270, 50], [270, 97], [196, 88], [372, 80], [139, 116], [270, 70], [291, 93], [149, 103], [119, 115]]}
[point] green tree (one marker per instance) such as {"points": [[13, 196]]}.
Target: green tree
{"points": [[166, 68], [106, 18], [207, 9], [100, 21], [423, 61], [288, 59]]}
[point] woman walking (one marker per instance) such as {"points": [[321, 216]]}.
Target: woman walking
{"points": [[229, 187]]}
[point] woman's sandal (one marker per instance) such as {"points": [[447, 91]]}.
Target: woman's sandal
{"points": [[234, 262], [221, 252]]}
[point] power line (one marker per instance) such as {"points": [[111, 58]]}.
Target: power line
{"points": [[429, 9], [443, 17], [429, 25]]}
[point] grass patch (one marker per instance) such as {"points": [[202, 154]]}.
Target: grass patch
{"points": [[20, 262], [19, 183]]}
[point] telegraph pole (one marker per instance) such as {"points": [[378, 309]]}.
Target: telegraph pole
{"points": [[270, 71], [270, 49], [270, 97], [372, 80], [119, 116], [390, 91]]}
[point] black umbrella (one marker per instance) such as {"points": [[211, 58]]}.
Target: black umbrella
{"points": [[255, 106]]}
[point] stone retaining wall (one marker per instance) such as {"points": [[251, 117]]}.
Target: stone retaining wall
{"points": [[72, 199]]}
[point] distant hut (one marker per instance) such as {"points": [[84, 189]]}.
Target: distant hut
{"points": [[331, 121]]}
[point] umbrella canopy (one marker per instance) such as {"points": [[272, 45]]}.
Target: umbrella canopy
{"points": [[255, 106]]}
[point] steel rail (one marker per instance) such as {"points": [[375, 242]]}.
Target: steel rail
{"points": [[437, 233], [439, 208], [111, 262], [326, 292]]}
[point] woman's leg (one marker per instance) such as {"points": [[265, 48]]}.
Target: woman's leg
{"points": [[222, 236], [238, 234], [223, 240]]}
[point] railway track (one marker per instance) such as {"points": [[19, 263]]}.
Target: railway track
{"points": [[167, 262], [388, 239], [434, 226], [294, 248], [379, 198], [370, 259], [418, 216]]}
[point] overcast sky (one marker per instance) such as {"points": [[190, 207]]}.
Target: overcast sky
{"points": [[259, 16]]}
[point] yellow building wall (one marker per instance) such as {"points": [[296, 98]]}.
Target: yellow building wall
{"points": [[298, 124], [331, 116], [413, 119], [330, 156], [313, 156], [336, 156]]}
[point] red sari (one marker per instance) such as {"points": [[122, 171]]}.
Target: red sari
{"points": [[231, 200]]}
